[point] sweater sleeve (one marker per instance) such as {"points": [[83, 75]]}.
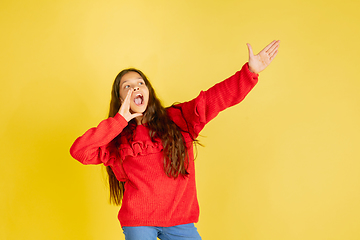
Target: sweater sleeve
{"points": [[192, 116], [93, 147]]}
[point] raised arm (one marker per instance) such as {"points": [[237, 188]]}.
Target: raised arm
{"points": [[93, 147], [192, 116]]}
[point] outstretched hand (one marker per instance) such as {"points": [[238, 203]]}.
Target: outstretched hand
{"points": [[125, 107], [259, 62]]}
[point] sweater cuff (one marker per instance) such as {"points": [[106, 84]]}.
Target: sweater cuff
{"points": [[119, 118]]}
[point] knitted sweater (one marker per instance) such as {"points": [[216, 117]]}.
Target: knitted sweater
{"points": [[151, 198]]}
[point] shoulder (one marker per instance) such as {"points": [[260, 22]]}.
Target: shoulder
{"points": [[187, 115]]}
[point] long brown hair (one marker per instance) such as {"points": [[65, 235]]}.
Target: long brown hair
{"points": [[176, 159]]}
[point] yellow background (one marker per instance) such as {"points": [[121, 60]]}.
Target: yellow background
{"points": [[284, 164]]}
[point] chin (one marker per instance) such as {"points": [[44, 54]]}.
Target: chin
{"points": [[138, 109]]}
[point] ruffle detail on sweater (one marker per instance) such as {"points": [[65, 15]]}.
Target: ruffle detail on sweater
{"points": [[141, 148]]}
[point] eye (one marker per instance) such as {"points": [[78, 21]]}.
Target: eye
{"points": [[141, 83], [126, 86]]}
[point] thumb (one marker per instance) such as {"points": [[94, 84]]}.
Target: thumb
{"points": [[250, 50], [134, 115]]}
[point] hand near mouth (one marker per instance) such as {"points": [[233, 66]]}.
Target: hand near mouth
{"points": [[125, 108]]}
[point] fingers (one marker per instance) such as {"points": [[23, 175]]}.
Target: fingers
{"points": [[273, 55], [269, 46], [136, 115], [126, 101], [250, 49], [272, 52], [125, 104], [272, 47]]}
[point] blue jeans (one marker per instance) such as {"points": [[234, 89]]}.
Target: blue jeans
{"points": [[179, 232]]}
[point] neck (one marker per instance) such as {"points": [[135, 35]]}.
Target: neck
{"points": [[140, 120]]}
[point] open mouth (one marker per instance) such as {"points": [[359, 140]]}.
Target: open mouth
{"points": [[139, 99]]}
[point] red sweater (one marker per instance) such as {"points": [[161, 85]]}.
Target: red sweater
{"points": [[151, 198]]}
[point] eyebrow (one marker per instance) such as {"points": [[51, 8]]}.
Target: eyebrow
{"points": [[128, 80], [123, 83]]}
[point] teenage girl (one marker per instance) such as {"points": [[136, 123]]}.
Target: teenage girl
{"points": [[148, 149]]}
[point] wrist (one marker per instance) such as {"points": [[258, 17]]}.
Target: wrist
{"points": [[251, 69]]}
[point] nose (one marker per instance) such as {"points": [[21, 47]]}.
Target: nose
{"points": [[136, 89]]}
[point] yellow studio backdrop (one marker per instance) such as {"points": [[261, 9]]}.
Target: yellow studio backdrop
{"points": [[284, 164]]}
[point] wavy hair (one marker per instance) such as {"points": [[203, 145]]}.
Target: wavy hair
{"points": [[176, 158]]}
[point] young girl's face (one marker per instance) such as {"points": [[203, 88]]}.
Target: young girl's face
{"points": [[132, 81]]}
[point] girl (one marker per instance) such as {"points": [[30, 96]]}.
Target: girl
{"points": [[148, 149]]}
